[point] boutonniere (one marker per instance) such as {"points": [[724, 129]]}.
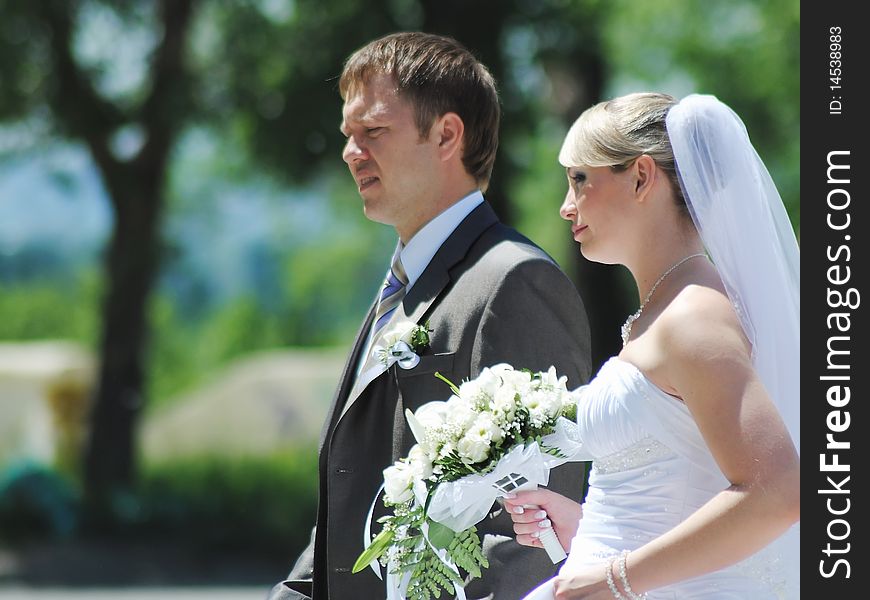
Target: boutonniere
{"points": [[401, 344]]}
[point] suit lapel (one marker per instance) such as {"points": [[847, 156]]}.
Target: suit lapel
{"points": [[428, 286], [437, 274]]}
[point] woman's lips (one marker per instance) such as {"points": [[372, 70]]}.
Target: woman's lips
{"points": [[578, 229]]}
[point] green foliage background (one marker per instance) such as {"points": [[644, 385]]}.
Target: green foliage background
{"points": [[266, 102], [744, 51]]}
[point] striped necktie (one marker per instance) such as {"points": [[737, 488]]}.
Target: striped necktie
{"points": [[391, 295]]}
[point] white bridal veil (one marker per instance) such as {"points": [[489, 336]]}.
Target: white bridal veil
{"points": [[744, 226]]}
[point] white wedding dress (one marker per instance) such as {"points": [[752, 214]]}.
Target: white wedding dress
{"points": [[651, 469]]}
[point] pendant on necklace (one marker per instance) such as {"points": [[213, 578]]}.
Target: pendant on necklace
{"points": [[626, 327]]}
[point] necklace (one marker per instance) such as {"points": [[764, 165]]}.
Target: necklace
{"points": [[626, 327]]}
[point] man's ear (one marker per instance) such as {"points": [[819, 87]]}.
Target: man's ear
{"points": [[644, 173], [451, 132]]}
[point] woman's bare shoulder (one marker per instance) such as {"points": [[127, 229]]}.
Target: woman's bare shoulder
{"points": [[701, 322]]}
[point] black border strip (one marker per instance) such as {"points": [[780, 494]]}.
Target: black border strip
{"points": [[834, 232]]}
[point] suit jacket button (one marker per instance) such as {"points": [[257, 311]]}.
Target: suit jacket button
{"points": [[343, 471]]}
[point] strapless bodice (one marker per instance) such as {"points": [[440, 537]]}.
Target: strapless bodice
{"points": [[651, 469]]}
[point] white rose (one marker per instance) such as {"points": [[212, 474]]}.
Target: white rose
{"points": [[473, 448], [432, 414], [460, 414], [400, 332], [427, 420], [397, 482], [519, 381], [489, 379], [421, 464], [500, 369], [504, 405], [471, 391], [551, 404]]}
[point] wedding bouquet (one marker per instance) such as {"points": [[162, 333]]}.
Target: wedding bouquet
{"points": [[496, 434]]}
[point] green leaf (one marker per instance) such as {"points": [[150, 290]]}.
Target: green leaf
{"points": [[375, 550], [440, 535], [420, 337]]}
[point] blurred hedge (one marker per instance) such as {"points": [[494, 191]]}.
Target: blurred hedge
{"points": [[36, 503], [255, 505], [258, 504]]}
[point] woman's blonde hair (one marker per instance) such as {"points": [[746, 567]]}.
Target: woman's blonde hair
{"points": [[615, 132]]}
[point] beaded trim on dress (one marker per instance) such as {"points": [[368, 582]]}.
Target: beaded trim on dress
{"points": [[640, 454]]}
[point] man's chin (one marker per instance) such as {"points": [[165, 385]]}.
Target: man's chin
{"points": [[370, 196], [371, 212]]}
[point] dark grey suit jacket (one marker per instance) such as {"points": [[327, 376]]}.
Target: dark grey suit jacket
{"points": [[490, 296]]}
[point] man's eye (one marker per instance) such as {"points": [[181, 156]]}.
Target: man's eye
{"points": [[374, 130]]}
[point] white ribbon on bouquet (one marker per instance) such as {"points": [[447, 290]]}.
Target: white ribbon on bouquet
{"points": [[462, 503], [397, 585]]}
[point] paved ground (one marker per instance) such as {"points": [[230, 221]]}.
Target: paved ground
{"points": [[19, 593]]}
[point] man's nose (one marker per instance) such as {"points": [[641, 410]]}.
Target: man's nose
{"points": [[353, 151]]}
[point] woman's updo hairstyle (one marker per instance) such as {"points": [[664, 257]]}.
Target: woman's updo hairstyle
{"points": [[615, 132]]}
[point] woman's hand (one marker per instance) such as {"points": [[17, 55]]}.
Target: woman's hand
{"points": [[586, 583], [533, 511]]}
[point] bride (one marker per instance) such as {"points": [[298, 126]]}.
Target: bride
{"points": [[693, 427]]}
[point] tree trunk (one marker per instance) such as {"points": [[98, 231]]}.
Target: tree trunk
{"points": [[131, 263], [137, 192]]}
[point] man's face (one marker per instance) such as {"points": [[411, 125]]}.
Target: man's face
{"points": [[394, 168]]}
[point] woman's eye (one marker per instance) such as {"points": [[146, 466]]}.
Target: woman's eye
{"points": [[374, 130], [578, 177]]}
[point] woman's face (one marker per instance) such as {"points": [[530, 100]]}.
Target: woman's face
{"points": [[596, 204]]}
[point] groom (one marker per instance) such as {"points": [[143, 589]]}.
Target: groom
{"points": [[421, 119]]}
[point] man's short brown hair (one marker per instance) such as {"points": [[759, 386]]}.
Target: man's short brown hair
{"points": [[437, 75]]}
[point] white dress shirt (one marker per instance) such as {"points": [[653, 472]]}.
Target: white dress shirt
{"points": [[418, 252]]}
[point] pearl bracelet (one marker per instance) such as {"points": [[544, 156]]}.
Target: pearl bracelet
{"points": [[608, 572], [623, 576]]}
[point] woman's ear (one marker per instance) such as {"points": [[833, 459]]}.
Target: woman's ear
{"points": [[645, 174], [450, 131]]}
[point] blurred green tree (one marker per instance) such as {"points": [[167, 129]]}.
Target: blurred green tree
{"points": [[51, 75], [265, 69]]}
